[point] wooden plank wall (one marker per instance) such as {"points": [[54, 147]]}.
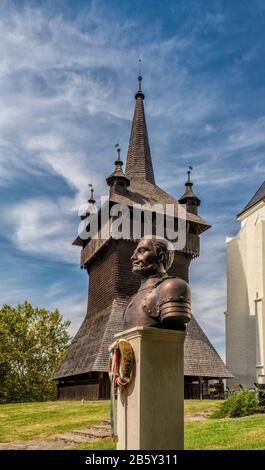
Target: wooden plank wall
{"points": [[87, 390]]}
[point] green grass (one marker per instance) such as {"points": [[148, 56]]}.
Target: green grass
{"points": [[226, 434], [28, 421], [200, 406], [103, 444]]}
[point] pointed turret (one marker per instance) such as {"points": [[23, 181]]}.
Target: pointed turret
{"points": [[189, 198], [139, 161], [89, 208], [118, 179]]}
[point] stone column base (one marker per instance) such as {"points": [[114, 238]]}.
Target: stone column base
{"points": [[150, 410]]}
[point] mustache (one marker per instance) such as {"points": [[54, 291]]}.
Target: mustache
{"points": [[140, 264]]}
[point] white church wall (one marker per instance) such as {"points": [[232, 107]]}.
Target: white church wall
{"points": [[245, 327]]}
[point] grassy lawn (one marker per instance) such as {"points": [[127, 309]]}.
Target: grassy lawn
{"points": [[40, 420], [226, 434], [200, 406], [27, 421]]}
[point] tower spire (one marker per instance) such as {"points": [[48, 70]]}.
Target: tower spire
{"points": [[139, 160]]}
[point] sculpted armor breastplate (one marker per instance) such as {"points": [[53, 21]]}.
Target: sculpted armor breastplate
{"points": [[165, 304]]}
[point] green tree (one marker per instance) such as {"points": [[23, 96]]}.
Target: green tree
{"points": [[32, 344]]}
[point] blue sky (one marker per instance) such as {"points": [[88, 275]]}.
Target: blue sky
{"points": [[67, 80]]}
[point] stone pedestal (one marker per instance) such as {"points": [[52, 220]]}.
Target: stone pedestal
{"points": [[150, 414]]}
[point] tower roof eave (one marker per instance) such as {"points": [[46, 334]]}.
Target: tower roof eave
{"points": [[189, 196], [118, 177]]}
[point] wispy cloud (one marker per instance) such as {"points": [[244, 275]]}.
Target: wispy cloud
{"points": [[40, 227], [67, 77]]}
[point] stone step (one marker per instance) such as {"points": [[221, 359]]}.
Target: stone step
{"points": [[103, 426], [71, 437], [91, 433], [99, 433]]}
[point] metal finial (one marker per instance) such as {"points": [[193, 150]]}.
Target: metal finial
{"points": [[91, 192], [189, 172], [117, 146], [140, 67], [140, 74]]}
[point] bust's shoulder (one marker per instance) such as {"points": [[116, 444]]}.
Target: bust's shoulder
{"points": [[175, 287]]}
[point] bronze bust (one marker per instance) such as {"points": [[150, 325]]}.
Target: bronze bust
{"points": [[161, 301]]}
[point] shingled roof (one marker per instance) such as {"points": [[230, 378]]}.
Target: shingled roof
{"points": [[139, 161], [89, 350], [200, 357], [258, 196], [143, 192]]}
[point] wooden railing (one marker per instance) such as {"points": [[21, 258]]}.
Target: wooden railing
{"points": [[192, 246]]}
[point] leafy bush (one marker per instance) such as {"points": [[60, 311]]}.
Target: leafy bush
{"points": [[262, 397], [242, 403]]}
